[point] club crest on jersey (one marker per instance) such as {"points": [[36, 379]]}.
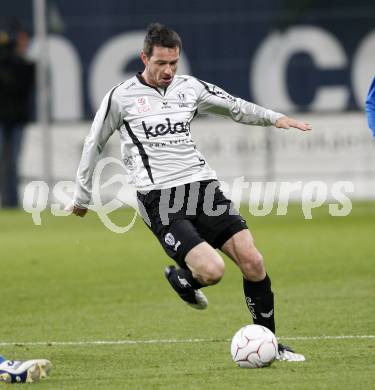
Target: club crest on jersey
{"points": [[181, 95], [142, 104], [182, 98], [166, 128]]}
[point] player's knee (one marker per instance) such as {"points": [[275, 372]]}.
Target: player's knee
{"points": [[213, 272]]}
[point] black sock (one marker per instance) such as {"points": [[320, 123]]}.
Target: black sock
{"points": [[182, 274], [259, 300]]}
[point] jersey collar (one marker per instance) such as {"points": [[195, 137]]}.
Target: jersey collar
{"points": [[143, 81]]}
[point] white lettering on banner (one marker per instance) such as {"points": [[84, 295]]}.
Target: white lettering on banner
{"points": [[267, 74], [268, 71], [107, 68], [65, 77]]}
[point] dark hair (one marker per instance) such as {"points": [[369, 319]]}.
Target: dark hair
{"points": [[160, 35]]}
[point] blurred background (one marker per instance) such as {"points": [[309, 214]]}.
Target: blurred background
{"points": [[311, 59]]}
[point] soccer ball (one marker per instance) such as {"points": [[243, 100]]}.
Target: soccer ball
{"points": [[254, 346]]}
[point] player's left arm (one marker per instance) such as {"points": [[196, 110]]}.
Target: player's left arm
{"points": [[215, 100]]}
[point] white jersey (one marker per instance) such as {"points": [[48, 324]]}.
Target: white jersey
{"points": [[154, 125]]}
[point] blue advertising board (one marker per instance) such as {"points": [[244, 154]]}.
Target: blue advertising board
{"points": [[287, 55]]}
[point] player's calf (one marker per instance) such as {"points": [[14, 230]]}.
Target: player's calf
{"points": [[256, 283], [251, 265], [260, 302]]}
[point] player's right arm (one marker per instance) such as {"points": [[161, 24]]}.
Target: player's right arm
{"points": [[370, 107], [106, 121]]}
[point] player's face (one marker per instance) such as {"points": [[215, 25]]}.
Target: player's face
{"points": [[161, 67]]}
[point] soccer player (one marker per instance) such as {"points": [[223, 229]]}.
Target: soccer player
{"points": [[28, 371], [178, 192], [370, 107]]}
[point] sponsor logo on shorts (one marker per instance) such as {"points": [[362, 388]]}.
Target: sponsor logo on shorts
{"points": [[169, 239]]}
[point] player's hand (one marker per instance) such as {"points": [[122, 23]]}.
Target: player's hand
{"points": [[78, 211], [286, 123]]}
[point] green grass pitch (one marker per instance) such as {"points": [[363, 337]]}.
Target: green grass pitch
{"points": [[71, 281]]}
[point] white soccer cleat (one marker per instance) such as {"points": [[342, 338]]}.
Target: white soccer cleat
{"points": [[201, 301], [287, 354], [28, 371]]}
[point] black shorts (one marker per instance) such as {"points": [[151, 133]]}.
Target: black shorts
{"points": [[184, 216]]}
